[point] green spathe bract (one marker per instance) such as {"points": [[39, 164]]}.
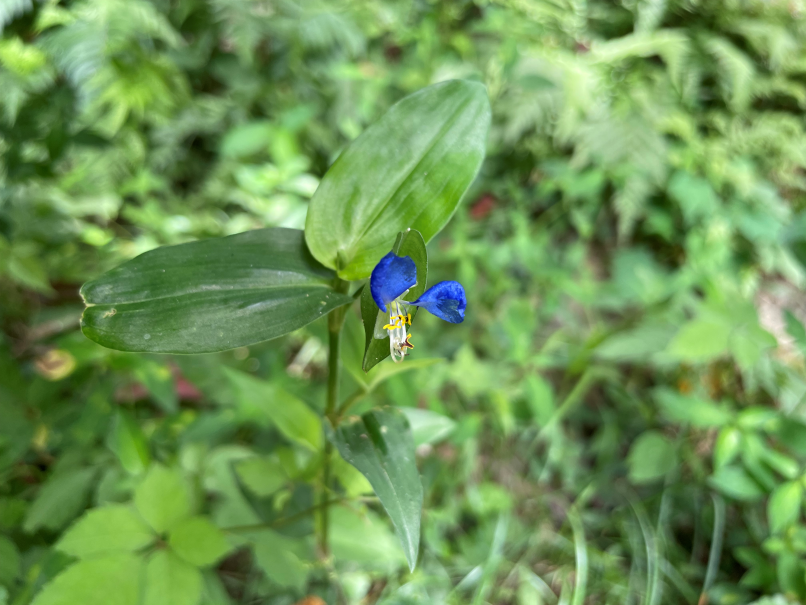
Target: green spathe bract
{"points": [[408, 170], [210, 295]]}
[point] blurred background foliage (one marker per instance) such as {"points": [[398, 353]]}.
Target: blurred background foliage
{"points": [[620, 419]]}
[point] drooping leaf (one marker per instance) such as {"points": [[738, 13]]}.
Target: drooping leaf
{"points": [[408, 243], [106, 530], [269, 404], [380, 445], [198, 541], [162, 498], [210, 295], [410, 169], [112, 580], [171, 581]]}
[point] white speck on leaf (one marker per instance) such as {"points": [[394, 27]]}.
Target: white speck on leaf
{"points": [[146, 336]]}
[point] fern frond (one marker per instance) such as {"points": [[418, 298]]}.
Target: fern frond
{"points": [[650, 15], [735, 71], [629, 202]]}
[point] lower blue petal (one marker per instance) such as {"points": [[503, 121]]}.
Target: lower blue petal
{"points": [[392, 276], [446, 300]]}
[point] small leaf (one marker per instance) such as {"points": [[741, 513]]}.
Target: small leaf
{"points": [[198, 541], [409, 169], [651, 457], [110, 580], [60, 499], [104, 530], [262, 475], [783, 508], [162, 498], [171, 581], [210, 295], [427, 426], [380, 445], [408, 243], [734, 482], [727, 446], [276, 557], [127, 441], [271, 404], [685, 409], [701, 340]]}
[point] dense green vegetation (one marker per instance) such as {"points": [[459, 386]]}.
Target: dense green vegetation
{"points": [[620, 418]]}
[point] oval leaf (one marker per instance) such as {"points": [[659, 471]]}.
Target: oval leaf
{"points": [[210, 295], [408, 243], [380, 445], [410, 169]]}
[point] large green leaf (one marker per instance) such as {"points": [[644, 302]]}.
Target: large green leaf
{"points": [[380, 445], [408, 243], [410, 169], [210, 295]]}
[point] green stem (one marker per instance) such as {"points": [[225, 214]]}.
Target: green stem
{"points": [[335, 321]]}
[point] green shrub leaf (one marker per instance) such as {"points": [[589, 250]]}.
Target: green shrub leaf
{"points": [[651, 456], [104, 530], [380, 445], [162, 498], [210, 295], [113, 579], [171, 581], [198, 541], [410, 169]]}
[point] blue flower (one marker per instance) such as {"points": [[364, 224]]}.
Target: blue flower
{"points": [[390, 281]]}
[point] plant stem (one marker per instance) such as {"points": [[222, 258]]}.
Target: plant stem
{"points": [[335, 321]]}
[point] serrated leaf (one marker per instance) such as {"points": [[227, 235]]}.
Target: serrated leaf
{"points": [[198, 541], [210, 295], [408, 243], [271, 404], [162, 498], [105, 530], [112, 580], [409, 169], [380, 445], [171, 581]]}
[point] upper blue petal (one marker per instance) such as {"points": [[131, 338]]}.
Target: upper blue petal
{"points": [[446, 300], [392, 276]]}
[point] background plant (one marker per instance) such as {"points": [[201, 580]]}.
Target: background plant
{"points": [[624, 428]]}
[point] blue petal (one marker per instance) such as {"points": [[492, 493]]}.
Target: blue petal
{"points": [[446, 300], [392, 276]]}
